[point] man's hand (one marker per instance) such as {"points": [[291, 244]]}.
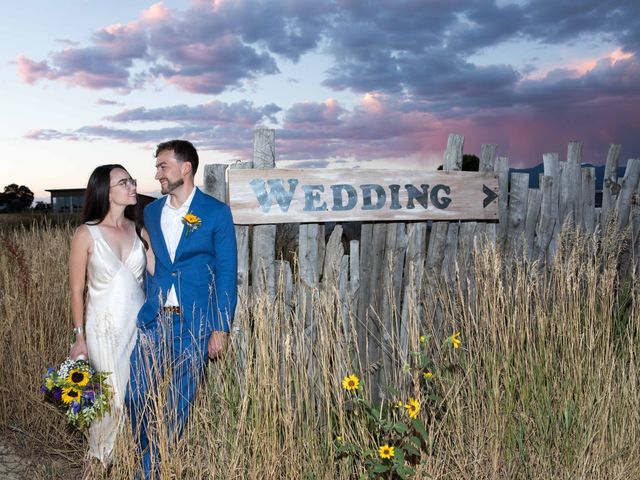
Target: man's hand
{"points": [[217, 344]]}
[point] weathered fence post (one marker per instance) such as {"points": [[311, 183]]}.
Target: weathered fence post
{"points": [[550, 223], [518, 197], [501, 167], [264, 236], [440, 239], [610, 187], [396, 246], [628, 186], [588, 199], [487, 164]]}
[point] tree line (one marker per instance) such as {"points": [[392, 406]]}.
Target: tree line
{"points": [[15, 198]]}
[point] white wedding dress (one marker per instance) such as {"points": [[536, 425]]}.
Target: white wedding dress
{"points": [[114, 297]]}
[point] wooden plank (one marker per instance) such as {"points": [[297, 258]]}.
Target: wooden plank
{"points": [[354, 269], [452, 161], [284, 282], [308, 254], [552, 197], [502, 169], [412, 309], [610, 186], [487, 157], [343, 292], [215, 183], [435, 252], [466, 239], [396, 246], [548, 218], [534, 203], [373, 310], [574, 184], [628, 186], [588, 199], [264, 148], [450, 254], [635, 229], [391, 282], [242, 242], [321, 195], [487, 161], [518, 197], [333, 258], [366, 269], [453, 153], [264, 236], [438, 246]]}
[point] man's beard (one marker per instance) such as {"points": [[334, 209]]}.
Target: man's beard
{"points": [[171, 186]]}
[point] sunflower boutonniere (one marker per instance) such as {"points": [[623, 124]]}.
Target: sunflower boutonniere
{"points": [[191, 222]]}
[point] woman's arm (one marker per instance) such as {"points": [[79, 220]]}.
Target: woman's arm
{"points": [[151, 258], [80, 248]]}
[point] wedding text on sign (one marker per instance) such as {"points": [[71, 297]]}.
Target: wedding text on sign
{"points": [[270, 191], [282, 195]]}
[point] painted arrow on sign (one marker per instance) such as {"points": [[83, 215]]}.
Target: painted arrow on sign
{"points": [[490, 196]]}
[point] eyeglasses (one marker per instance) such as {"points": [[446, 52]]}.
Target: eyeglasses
{"points": [[126, 182]]}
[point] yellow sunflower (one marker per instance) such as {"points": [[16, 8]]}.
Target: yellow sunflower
{"points": [[423, 339], [191, 219], [413, 407], [427, 375], [385, 451], [78, 377], [350, 382], [70, 394], [455, 340]]}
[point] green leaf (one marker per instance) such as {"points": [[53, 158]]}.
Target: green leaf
{"points": [[415, 442], [405, 471], [411, 450], [398, 458], [400, 427], [419, 426], [380, 468]]}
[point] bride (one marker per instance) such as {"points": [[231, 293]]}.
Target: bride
{"points": [[109, 255]]}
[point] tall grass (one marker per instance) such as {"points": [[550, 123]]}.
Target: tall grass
{"points": [[546, 384]]}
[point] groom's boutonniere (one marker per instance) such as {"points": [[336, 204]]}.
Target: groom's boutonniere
{"points": [[191, 222]]}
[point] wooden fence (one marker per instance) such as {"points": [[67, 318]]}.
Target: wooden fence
{"points": [[383, 275]]}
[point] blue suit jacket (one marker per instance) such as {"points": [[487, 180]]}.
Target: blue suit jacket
{"points": [[204, 270]]}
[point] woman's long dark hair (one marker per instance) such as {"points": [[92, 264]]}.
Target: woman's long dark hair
{"points": [[96, 200]]}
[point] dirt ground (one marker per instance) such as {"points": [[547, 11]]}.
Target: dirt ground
{"points": [[12, 466]]}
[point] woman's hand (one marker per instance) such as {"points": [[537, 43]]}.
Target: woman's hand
{"points": [[78, 348]]}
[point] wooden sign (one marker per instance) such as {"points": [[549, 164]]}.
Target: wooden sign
{"points": [[259, 196]]}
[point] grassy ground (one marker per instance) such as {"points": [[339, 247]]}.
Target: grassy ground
{"points": [[545, 385]]}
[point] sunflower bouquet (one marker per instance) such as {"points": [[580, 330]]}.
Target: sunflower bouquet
{"points": [[77, 389]]}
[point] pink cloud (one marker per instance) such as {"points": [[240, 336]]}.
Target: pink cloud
{"points": [[31, 71], [156, 13]]}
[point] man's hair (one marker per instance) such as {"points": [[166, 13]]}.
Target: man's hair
{"points": [[183, 150]]}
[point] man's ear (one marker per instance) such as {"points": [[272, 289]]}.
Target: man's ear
{"points": [[186, 168]]}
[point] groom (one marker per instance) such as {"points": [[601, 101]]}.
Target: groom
{"points": [[191, 295]]}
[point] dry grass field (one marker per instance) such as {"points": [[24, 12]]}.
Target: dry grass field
{"points": [[546, 383]]}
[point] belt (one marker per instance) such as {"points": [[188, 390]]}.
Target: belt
{"points": [[172, 309]]}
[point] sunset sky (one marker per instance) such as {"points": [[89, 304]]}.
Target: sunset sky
{"points": [[344, 83]]}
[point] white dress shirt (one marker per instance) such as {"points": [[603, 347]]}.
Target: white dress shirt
{"points": [[172, 227]]}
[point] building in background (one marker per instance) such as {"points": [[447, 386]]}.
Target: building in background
{"points": [[71, 200], [67, 200]]}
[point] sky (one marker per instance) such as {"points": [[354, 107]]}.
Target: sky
{"points": [[345, 83]]}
